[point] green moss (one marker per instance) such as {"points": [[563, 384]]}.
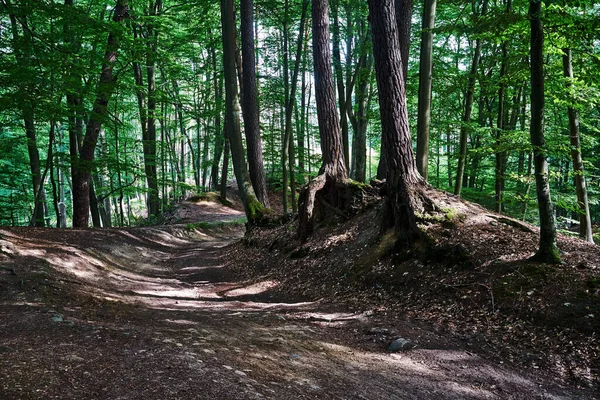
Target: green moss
{"points": [[356, 184]]}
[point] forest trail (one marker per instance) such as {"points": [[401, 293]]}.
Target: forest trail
{"points": [[154, 313]]}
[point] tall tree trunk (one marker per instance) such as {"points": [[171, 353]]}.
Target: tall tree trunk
{"points": [[82, 172], [585, 223], [23, 52], [548, 251], [219, 139], [339, 75], [425, 82], [333, 169], [404, 11], [466, 119], [253, 208], [402, 173], [150, 140], [250, 104]]}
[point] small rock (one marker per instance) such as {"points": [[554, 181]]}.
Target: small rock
{"points": [[240, 373], [400, 344]]}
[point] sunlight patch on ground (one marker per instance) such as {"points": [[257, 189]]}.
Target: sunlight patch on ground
{"points": [[256, 288]]}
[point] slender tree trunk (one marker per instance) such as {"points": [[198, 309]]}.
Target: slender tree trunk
{"points": [[548, 251], [339, 75], [466, 119], [585, 223], [404, 11], [425, 83], [253, 208], [250, 104], [82, 172]]}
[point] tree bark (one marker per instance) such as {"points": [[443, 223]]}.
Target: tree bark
{"points": [[548, 251], [250, 103], [425, 83], [402, 175], [585, 223], [339, 77]]}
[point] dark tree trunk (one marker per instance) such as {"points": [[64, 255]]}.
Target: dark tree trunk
{"points": [[403, 10], [585, 223], [252, 206], [23, 52], [548, 251], [149, 147], [250, 103], [339, 77], [219, 140], [425, 83], [82, 172], [402, 175], [466, 119], [333, 169]]}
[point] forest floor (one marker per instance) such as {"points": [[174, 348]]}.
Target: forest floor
{"points": [[196, 310]]}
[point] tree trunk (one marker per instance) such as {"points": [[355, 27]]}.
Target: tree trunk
{"points": [[339, 75], [333, 169], [82, 172], [402, 175], [585, 223], [548, 251], [425, 82], [464, 128], [250, 104], [253, 208]]}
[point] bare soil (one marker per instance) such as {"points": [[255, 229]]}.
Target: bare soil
{"points": [[194, 312]]}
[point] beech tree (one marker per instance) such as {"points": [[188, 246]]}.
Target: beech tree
{"points": [[253, 208], [548, 251]]}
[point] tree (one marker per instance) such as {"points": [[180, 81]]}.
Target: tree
{"points": [[253, 208], [585, 222], [425, 82], [402, 177], [83, 163], [548, 251], [250, 103], [333, 169]]}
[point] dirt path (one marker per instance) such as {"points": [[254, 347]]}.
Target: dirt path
{"points": [[151, 313]]}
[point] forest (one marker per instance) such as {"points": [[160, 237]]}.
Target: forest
{"points": [[118, 110], [267, 199]]}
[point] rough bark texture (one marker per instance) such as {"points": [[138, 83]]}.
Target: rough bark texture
{"points": [[402, 176], [339, 78], [585, 223], [403, 10], [252, 206], [548, 251], [327, 115], [250, 103], [82, 173], [425, 83], [333, 169]]}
